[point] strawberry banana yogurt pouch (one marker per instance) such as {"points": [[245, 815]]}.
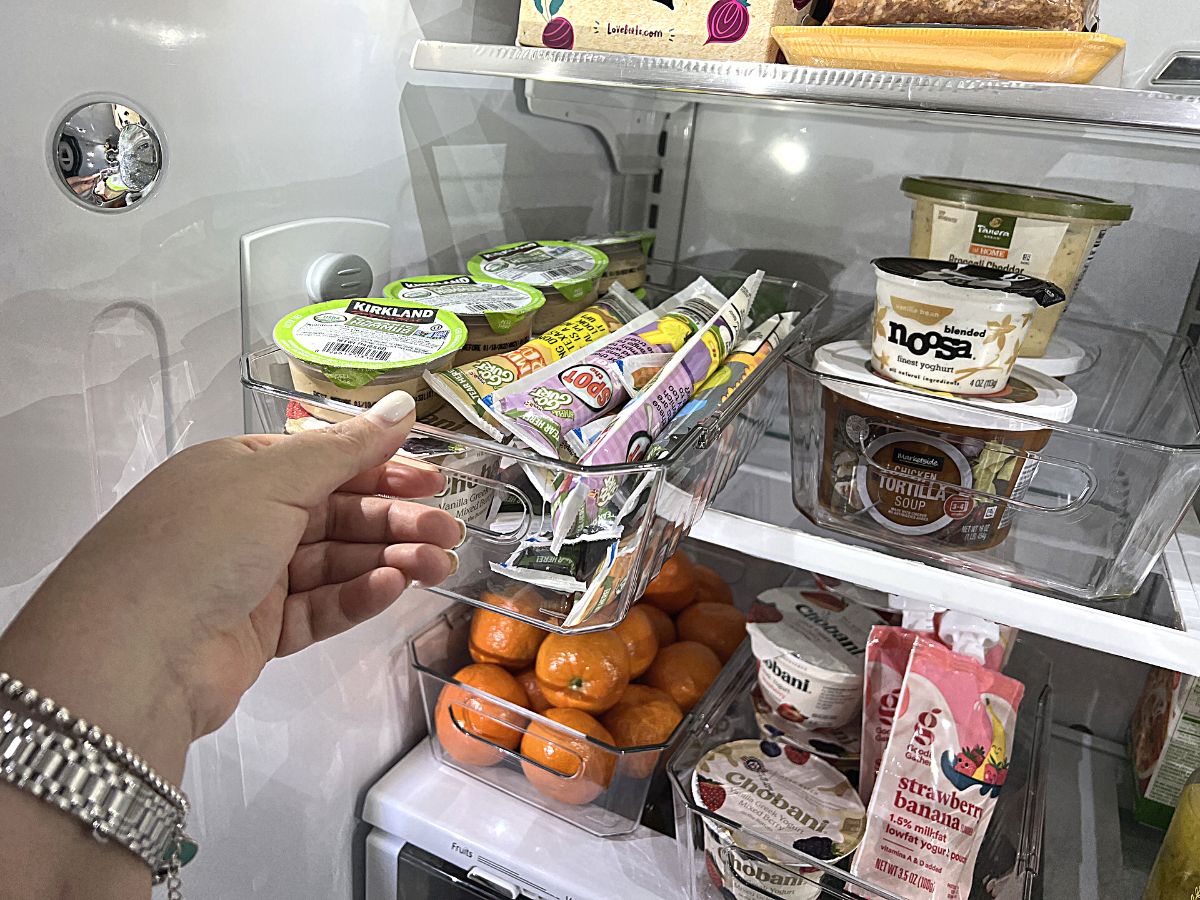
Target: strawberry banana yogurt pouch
{"points": [[888, 651], [944, 767]]}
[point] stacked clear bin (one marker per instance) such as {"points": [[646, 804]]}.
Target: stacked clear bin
{"points": [[495, 478], [1108, 489], [1009, 860]]}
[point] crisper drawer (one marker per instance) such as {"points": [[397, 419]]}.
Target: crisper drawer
{"points": [[1009, 860], [1081, 509], [492, 485]]}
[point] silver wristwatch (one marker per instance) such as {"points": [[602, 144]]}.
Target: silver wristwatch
{"points": [[116, 800]]}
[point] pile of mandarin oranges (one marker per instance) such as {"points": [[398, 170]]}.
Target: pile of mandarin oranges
{"points": [[629, 686]]}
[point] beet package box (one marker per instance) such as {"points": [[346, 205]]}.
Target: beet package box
{"points": [[694, 29]]}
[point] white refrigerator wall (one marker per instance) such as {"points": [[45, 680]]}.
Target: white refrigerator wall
{"points": [[120, 333]]}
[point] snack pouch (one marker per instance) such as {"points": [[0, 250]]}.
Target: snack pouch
{"points": [[888, 650], [637, 425], [945, 764], [465, 387], [582, 387]]}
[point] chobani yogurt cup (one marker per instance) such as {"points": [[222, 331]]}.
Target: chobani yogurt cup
{"points": [[471, 473], [892, 457], [627, 252], [841, 747], [1051, 235], [950, 326], [567, 274], [810, 655], [359, 350], [780, 797], [498, 314]]}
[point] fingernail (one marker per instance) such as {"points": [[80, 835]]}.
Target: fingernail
{"points": [[453, 562], [396, 406], [463, 528]]}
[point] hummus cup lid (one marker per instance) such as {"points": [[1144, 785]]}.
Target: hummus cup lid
{"points": [[504, 304], [783, 794], [1017, 197], [617, 240], [571, 269], [990, 284], [423, 346], [1028, 393]]}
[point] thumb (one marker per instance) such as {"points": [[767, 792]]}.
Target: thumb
{"points": [[327, 458]]}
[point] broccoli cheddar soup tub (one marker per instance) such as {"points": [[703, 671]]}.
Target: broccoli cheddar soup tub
{"points": [[894, 458]]}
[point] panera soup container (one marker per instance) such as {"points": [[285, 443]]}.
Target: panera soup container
{"points": [[359, 350], [891, 456], [567, 274], [782, 794], [627, 252], [498, 314], [1047, 234], [952, 327]]}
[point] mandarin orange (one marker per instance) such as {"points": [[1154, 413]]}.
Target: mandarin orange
{"points": [[719, 627], [674, 587], [503, 640], [685, 670], [583, 671], [637, 631], [462, 716], [711, 587], [583, 769]]}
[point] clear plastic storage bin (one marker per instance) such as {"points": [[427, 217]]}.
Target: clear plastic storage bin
{"points": [[440, 649], [1084, 516], [1009, 860], [489, 482]]}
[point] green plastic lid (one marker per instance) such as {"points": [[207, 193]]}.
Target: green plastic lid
{"points": [[1017, 197], [570, 269], [354, 342], [503, 303], [644, 239]]}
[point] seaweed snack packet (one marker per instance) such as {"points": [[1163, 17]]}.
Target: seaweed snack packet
{"points": [[637, 425], [888, 650], [945, 764], [464, 387], [574, 391]]}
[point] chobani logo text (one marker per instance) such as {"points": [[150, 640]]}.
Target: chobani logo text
{"points": [[413, 315], [740, 779], [993, 235], [844, 640]]}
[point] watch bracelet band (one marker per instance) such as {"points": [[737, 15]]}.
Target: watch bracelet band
{"points": [[80, 779]]}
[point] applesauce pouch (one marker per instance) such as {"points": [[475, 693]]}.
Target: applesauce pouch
{"points": [[945, 764], [887, 653]]}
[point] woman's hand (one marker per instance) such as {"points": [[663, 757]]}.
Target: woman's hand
{"points": [[231, 553]]}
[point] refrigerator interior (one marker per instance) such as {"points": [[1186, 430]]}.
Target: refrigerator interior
{"points": [[122, 333]]}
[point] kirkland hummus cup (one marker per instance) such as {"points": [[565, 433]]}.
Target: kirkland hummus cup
{"points": [[567, 274], [627, 252], [952, 327], [498, 314], [1051, 235], [357, 351], [810, 655], [779, 796], [893, 457]]}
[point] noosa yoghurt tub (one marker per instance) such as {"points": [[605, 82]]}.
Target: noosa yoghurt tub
{"points": [[952, 327], [810, 655]]}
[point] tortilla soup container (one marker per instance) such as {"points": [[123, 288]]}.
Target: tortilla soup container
{"points": [[892, 456], [952, 327], [810, 655], [567, 274], [498, 314], [780, 796], [359, 350], [627, 252], [1047, 234]]}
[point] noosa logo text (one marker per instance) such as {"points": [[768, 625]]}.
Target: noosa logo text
{"points": [[940, 344]]}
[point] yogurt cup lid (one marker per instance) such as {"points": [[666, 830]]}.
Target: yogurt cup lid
{"points": [[783, 794], [1028, 393], [1017, 197], [643, 239], [356, 341], [570, 269], [842, 744], [824, 632], [1062, 357], [926, 272], [504, 304]]}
